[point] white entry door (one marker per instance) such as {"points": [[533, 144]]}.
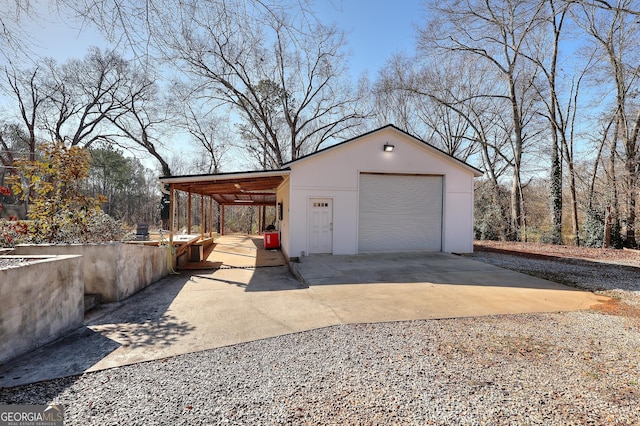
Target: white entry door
{"points": [[320, 225]]}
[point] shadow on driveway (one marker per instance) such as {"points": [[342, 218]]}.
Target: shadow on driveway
{"points": [[141, 322]]}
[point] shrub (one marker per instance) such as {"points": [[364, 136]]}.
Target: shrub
{"points": [[13, 232], [59, 210], [102, 227], [489, 220], [593, 229], [4, 192]]}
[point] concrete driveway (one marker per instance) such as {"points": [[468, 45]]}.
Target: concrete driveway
{"points": [[205, 309]]}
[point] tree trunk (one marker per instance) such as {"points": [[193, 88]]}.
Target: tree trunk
{"points": [[516, 185], [516, 203], [574, 204], [612, 186]]}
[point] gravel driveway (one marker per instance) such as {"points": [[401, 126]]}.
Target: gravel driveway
{"points": [[543, 369]]}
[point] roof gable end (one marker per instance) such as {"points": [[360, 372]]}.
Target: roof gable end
{"points": [[390, 127]]}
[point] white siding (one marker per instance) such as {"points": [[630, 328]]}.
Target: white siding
{"points": [[335, 174], [282, 196]]}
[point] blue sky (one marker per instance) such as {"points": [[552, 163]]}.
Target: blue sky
{"points": [[375, 29], [50, 37]]}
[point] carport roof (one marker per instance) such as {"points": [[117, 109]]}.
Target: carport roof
{"points": [[247, 188]]}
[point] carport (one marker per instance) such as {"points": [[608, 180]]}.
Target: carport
{"points": [[228, 189]]}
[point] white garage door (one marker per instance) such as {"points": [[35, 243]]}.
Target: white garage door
{"points": [[399, 213]]}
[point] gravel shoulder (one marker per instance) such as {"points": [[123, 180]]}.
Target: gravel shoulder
{"points": [[533, 369]]}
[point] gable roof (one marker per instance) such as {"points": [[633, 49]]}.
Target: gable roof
{"points": [[476, 172], [259, 187]]}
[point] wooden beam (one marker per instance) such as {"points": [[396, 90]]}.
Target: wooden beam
{"points": [[182, 246]]}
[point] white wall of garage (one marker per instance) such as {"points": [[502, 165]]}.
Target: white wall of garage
{"points": [[282, 197], [335, 172]]}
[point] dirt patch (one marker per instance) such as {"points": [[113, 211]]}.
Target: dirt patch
{"points": [[617, 307], [542, 251]]}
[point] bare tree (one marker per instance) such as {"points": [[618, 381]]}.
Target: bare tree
{"points": [[549, 41], [139, 118], [292, 92], [13, 39], [233, 51], [395, 100], [559, 107], [82, 94], [99, 98], [461, 121], [625, 8], [495, 33], [419, 97], [208, 132], [615, 34], [13, 146], [25, 89]]}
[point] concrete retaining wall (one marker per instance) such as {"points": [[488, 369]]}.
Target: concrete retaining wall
{"points": [[39, 302], [113, 270]]}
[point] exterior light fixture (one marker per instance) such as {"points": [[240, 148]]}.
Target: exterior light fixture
{"points": [[388, 147]]}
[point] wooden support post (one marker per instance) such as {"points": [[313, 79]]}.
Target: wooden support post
{"points": [[172, 213], [189, 205], [203, 219], [222, 221], [219, 218], [176, 199], [210, 217]]}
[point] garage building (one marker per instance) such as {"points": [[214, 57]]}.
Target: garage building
{"points": [[383, 191]]}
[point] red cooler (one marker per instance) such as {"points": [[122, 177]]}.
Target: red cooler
{"points": [[271, 240]]}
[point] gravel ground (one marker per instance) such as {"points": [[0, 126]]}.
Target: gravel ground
{"points": [[535, 369]]}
